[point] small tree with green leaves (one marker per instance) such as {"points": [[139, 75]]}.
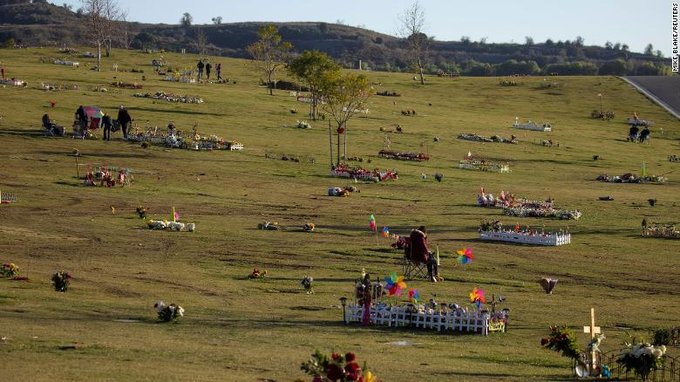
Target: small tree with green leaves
{"points": [[345, 94], [310, 67], [269, 52]]}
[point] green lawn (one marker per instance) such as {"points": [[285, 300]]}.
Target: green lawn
{"points": [[237, 329]]}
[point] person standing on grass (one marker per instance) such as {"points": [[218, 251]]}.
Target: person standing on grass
{"points": [[200, 67], [208, 67], [106, 125], [218, 70], [124, 120]]}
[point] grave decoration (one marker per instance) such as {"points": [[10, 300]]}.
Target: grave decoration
{"points": [[307, 283], [665, 231], [303, 125], [6, 198], [185, 76], [338, 191], [641, 358], [126, 85], [269, 226], [531, 125], [257, 274], [562, 340], [66, 62], [674, 158], [632, 178], [9, 270], [161, 95], [174, 138], [391, 154], [61, 281], [493, 138], [359, 173], [13, 82], [513, 206], [338, 367], [167, 313], [494, 231], [172, 225], [603, 115], [309, 227], [471, 162], [377, 303], [104, 176], [56, 86], [387, 93]]}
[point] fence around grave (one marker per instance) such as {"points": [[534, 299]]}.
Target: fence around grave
{"points": [[7, 198], [551, 239], [668, 372], [406, 316]]}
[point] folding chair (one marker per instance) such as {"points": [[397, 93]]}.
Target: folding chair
{"points": [[411, 268]]}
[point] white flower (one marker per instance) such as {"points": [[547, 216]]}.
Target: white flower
{"points": [[180, 311], [159, 305]]}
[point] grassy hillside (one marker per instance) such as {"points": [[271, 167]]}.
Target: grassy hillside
{"points": [[104, 327]]}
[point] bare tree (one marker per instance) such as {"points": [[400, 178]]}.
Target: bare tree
{"points": [[100, 23], [270, 52], [201, 40], [412, 24], [124, 36]]}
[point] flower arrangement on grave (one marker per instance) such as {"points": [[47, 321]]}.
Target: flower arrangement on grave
{"points": [[9, 270], [303, 125], [562, 340], [167, 313], [308, 227], [141, 212], [337, 368], [641, 358], [257, 274], [307, 284], [61, 281]]}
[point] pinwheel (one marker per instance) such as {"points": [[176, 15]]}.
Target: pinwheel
{"points": [[372, 224], [386, 232], [477, 297], [464, 256], [394, 284], [413, 295]]}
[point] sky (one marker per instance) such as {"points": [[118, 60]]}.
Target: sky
{"points": [[632, 22]]}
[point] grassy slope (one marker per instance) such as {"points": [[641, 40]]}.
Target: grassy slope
{"points": [[240, 330]]}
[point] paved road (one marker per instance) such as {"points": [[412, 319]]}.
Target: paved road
{"points": [[663, 90]]}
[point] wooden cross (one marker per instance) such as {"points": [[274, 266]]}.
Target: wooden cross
{"points": [[593, 330]]}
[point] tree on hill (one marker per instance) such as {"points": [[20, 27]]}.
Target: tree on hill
{"points": [[186, 20], [101, 16], [412, 24], [311, 67], [269, 52], [345, 94], [217, 20], [617, 67]]}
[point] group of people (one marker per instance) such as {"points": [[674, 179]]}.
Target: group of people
{"points": [[208, 68], [82, 121], [635, 135]]}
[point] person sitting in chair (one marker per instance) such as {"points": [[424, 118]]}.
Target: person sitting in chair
{"points": [[644, 134], [51, 127], [420, 252], [633, 133]]}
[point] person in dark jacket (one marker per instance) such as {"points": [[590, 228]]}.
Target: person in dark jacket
{"points": [[208, 67], [124, 120], [200, 66], [420, 253], [106, 125]]}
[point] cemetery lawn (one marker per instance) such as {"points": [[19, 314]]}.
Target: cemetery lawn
{"points": [[105, 328]]}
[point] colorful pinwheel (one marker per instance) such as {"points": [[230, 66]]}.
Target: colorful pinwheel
{"points": [[385, 232], [394, 284], [477, 297], [372, 224], [464, 256], [413, 295]]}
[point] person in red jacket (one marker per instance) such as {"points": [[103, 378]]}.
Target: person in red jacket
{"points": [[420, 253]]}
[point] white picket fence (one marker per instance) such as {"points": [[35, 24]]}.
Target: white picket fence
{"points": [[456, 320], [557, 238]]}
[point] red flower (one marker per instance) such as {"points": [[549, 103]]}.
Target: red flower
{"points": [[334, 372], [336, 357], [353, 371], [350, 357]]}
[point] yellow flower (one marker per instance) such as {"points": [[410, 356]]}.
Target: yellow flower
{"points": [[369, 377]]}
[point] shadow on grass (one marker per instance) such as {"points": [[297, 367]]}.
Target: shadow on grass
{"points": [[25, 133], [84, 157], [174, 110]]}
